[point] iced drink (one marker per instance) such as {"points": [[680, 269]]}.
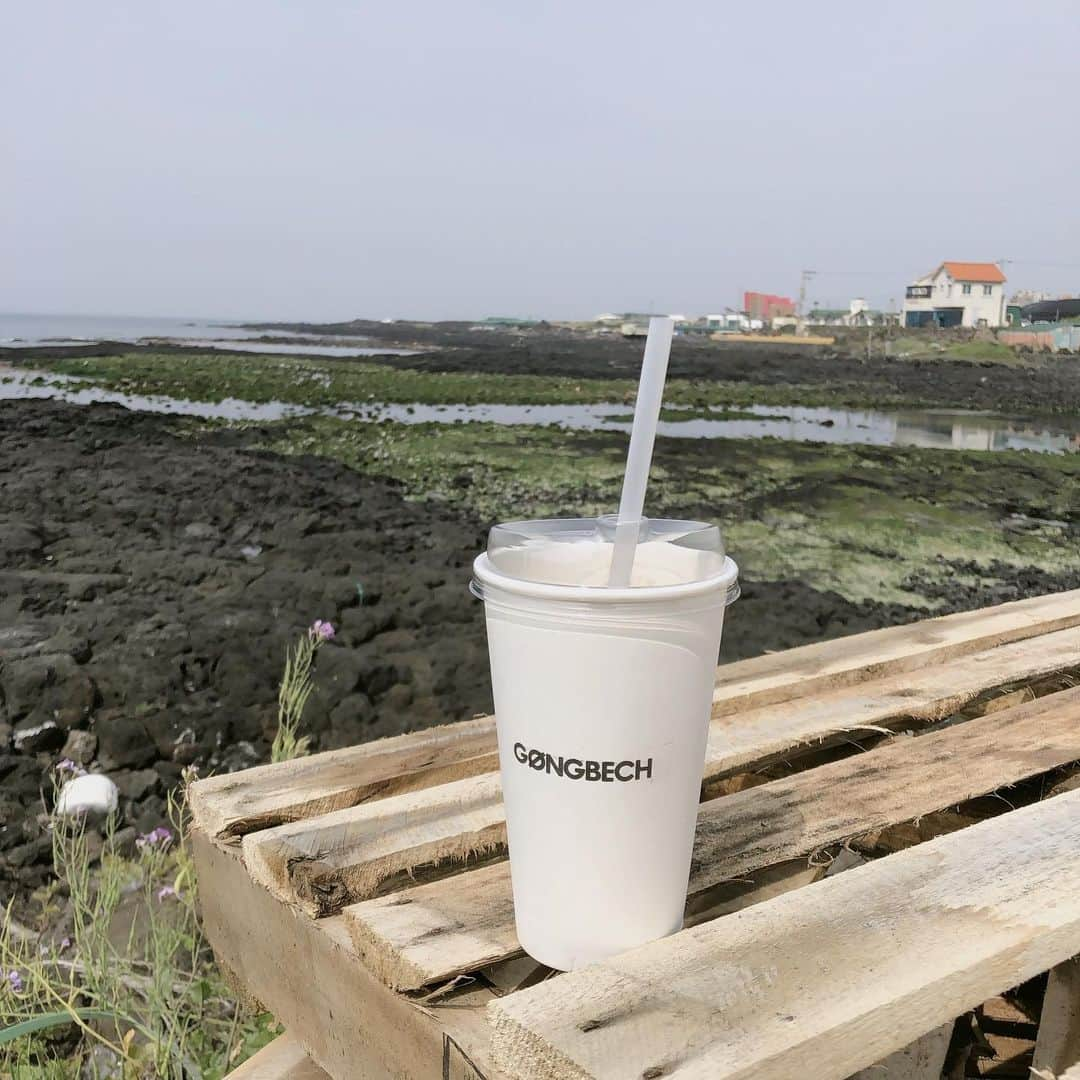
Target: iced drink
{"points": [[602, 703]]}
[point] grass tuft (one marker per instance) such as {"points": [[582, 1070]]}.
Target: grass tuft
{"points": [[124, 984]]}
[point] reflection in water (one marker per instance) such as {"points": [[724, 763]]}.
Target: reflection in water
{"points": [[321, 347], [931, 428]]}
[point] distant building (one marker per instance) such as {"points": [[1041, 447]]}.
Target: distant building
{"points": [[766, 306], [858, 313], [1023, 297], [732, 322], [957, 294], [728, 320]]}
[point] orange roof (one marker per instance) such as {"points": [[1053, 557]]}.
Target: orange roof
{"points": [[962, 271]]}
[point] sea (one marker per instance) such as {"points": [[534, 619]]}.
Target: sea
{"points": [[18, 329], [36, 329]]}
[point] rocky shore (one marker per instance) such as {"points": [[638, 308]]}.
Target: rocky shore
{"points": [[151, 579], [899, 367]]}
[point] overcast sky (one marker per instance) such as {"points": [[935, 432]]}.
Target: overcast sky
{"points": [[314, 159]]}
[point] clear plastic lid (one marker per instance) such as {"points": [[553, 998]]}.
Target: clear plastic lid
{"points": [[578, 551]]}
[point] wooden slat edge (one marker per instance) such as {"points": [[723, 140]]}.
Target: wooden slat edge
{"points": [[1057, 1047], [843, 661], [233, 804], [309, 976], [270, 795], [325, 863], [283, 1059], [823, 981], [923, 1059], [433, 932]]}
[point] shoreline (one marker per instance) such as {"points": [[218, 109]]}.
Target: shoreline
{"points": [[590, 371], [148, 599]]}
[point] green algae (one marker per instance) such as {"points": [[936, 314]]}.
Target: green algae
{"points": [[886, 524], [327, 382]]}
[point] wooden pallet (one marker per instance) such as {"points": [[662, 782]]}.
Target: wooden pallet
{"points": [[363, 894]]}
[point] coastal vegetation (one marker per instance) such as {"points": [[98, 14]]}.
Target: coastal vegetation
{"points": [[887, 524], [314, 382]]}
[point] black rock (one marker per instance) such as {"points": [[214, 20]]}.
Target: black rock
{"points": [[123, 742]]}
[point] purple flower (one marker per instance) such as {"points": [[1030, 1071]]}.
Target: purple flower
{"points": [[15, 982], [69, 766], [65, 943], [158, 837], [321, 631], [167, 892]]}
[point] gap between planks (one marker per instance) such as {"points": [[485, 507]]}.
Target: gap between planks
{"points": [[229, 806], [823, 981], [327, 862], [431, 933]]}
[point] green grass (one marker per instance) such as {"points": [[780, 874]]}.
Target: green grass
{"points": [[131, 988], [987, 351], [119, 980]]}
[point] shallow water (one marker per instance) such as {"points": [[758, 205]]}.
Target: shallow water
{"points": [[951, 430], [319, 347]]}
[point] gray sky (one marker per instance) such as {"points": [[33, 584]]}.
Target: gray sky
{"points": [[257, 158]]}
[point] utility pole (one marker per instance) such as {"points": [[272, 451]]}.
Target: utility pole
{"points": [[804, 280]]}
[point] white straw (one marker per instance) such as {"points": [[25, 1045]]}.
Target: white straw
{"points": [[639, 458]]}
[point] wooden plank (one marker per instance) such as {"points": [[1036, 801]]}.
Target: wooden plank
{"points": [[760, 735], [922, 1059], [328, 862], [1057, 1046], [822, 981], [830, 664], [432, 932], [234, 804], [1008, 1056], [283, 1059], [309, 976]]}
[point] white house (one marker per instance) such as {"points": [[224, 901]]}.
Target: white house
{"points": [[957, 294], [732, 321]]}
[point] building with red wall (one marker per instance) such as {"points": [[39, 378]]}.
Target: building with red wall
{"points": [[766, 306]]}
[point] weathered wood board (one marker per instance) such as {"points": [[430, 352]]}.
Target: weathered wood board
{"points": [[283, 1059], [779, 973], [259, 798], [433, 932], [823, 981], [327, 862], [1058, 1045]]}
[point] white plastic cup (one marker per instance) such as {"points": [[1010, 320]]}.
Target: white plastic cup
{"points": [[602, 703]]}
